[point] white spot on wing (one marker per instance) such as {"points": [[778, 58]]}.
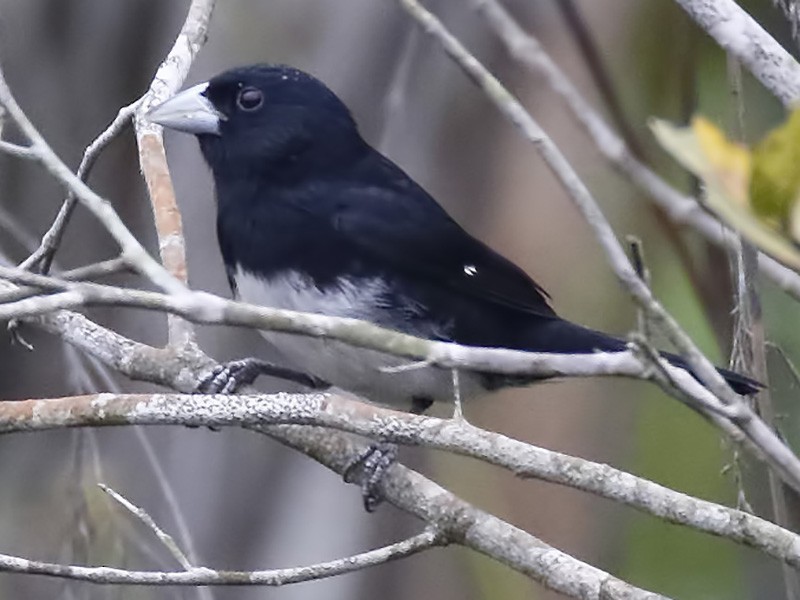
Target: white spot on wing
{"points": [[470, 270]]}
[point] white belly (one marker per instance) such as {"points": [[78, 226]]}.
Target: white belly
{"points": [[363, 372]]}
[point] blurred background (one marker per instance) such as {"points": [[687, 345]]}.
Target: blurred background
{"points": [[239, 500]]}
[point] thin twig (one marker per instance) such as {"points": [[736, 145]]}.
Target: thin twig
{"points": [[145, 518], [96, 270], [25, 152], [640, 266], [43, 256], [132, 250], [169, 494], [793, 370], [195, 576]]}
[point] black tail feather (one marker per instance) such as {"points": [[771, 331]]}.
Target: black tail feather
{"points": [[558, 335], [741, 384]]}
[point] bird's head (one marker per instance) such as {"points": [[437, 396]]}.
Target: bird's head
{"points": [[264, 118]]}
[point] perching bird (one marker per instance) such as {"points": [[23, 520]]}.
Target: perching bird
{"points": [[312, 218]]}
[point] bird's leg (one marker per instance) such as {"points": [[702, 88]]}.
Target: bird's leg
{"points": [[374, 461], [228, 377]]}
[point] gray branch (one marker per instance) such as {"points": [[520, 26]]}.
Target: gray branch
{"points": [[182, 368], [743, 38], [458, 436], [196, 576]]}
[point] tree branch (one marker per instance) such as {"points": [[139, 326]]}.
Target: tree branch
{"points": [[132, 250], [182, 369], [153, 158], [202, 307], [196, 576], [743, 38], [141, 514], [344, 414]]}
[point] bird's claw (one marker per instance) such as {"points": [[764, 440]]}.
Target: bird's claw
{"points": [[372, 465], [229, 377]]}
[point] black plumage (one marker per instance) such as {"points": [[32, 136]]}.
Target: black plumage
{"points": [[311, 217]]}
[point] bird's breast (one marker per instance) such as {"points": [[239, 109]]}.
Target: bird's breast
{"points": [[369, 373], [344, 297]]}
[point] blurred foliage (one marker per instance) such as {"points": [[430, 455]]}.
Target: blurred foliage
{"points": [[756, 192]]}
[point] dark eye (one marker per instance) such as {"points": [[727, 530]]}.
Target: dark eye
{"points": [[250, 99]]}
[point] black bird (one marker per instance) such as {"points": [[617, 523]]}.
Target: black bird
{"points": [[312, 218]]}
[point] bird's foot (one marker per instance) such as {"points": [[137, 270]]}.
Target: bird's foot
{"points": [[229, 377], [372, 465]]}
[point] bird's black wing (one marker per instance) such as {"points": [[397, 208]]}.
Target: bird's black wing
{"points": [[408, 230]]}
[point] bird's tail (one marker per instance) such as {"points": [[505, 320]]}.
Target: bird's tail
{"points": [[558, 335], [741, 384]]}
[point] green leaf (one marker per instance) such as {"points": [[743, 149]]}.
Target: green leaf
{"points": [[775, 180], [725, 168]]}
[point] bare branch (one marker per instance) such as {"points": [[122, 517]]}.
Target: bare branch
{"points": [[743, 38], [169, 494], [145, 518], [202, 307], [153, 158], [344, 414], [132, 250], [25, 152], [43, 255], [96, 270], [195, 576]]}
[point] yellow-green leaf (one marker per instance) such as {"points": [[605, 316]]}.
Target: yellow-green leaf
{"points": [[725, 168], [775, 178]]}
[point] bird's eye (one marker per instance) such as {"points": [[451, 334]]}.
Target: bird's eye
{"points": [[250, 99]]}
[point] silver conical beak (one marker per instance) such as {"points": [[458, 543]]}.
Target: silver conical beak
{"points": [[189, 111]]}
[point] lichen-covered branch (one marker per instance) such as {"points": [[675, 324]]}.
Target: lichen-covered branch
{"points": [[344, 414], [743, 38], [201, 307]]}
